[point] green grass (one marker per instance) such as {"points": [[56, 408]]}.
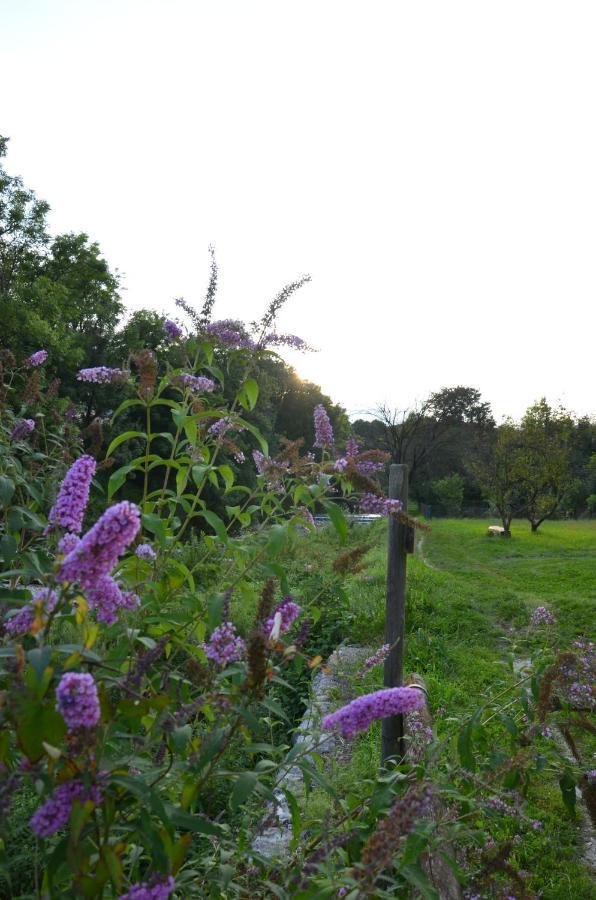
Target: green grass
{"points": [[469, 600]]}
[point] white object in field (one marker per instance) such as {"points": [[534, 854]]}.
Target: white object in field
{"points": [[495, 529]]}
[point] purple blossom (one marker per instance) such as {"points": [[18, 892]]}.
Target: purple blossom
{"points": [[362, 712], [323, 428], [199, 384], [288, 612], [542, 616], [102, 546], [172, 330], [22, 429], [285, 340], [537, 825], [159, 888], [375, 660], [37, 359], [44, 602], [146, 551], [107, 598], [55, 812], [352, 448], [372, 504], [222, 426], [102, 375], [71, 502], [231, 333], [369, 467], [68, 543], [340, 465], [224, 645], [77, 700]]}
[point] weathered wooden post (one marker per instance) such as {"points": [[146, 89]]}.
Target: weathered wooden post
{"points": [[398, 545]]}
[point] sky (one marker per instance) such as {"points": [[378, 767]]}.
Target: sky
{"points": [[432, 166]]}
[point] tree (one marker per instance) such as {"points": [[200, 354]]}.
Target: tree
{"points": [[498, 473], [543, 460], [449, 492]]}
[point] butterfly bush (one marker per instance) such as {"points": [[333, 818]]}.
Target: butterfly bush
{"points": [[71, 502], [542, 616], [102, 375], [285, 613], [44, 602], [55, 812], [323, 428], [158, 888], [361, 713], [37, 359], [377, 505], [23, 428], [101, 547], [199, 384], [172, 330], [224, 645], [77, 700], [146, 552]]}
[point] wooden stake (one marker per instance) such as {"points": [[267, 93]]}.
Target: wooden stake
{"points": [[392, 729]]}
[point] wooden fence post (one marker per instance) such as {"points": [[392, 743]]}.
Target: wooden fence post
{"points": [[392, 729]]}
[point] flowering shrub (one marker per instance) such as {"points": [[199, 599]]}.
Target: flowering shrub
{"points": [[141, 716]]}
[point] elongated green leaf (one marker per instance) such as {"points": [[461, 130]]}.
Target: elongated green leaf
{"points": [[243, 788], [416, 877], [126, 404], [7, 490], [338, 519], [567, 785], [216, 523], [121, 438], [256, 433], [189, 822], [118, 478]]}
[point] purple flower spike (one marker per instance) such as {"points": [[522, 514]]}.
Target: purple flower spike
{"points": [[22, 429], [352, 447], [37, 359], [55, 812], [102, 375], [172, 330], [362, 712], [542, 616], [224, 645], [383, 506], [68, 543], [102, 545], [323, 428], [77, 700], [44, 601], [146, 551], [71, 502], [288, 611], [199, 384], [159, 888], [107, 598]]}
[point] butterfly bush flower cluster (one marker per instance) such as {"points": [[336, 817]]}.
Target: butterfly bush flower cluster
{"points": [[37, 359], [292, 341], [369, 467], [77, 700], [102, 375], [284, 614], [375, 660], [67, 543], [146, 552], [272, 469], [230, 333], [323, 427], [68, 510], [372, 504], [55, 812], [221, 427], [361, 713], [352, 447], [172, 330], [579, 677], [44, 602], [340, 465], [224, 645], [542, 616], [23, 428], [92, 560], [199, 384], [159, 888]]}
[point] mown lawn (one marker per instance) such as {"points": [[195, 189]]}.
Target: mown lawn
{"points": [[469, 600]]}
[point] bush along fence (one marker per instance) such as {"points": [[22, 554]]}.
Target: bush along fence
{"points": [[148, 629]]}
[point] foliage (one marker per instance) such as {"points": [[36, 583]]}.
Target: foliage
{"points": [[449, 492]]}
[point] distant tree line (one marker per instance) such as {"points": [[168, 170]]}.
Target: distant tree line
{"points": [[459, 459]]}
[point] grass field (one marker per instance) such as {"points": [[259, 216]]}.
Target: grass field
{"points": [[469, 600]]}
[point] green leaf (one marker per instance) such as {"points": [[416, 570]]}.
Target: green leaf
{"points": [[278, 537], [181, 736], [248, 394], [7, 489], [296, 817], [118, 478], [464, 747], [338, 519], [256, 433], [243, 788], [156, 526], [126, 405], [8, 548], [227, 475], [125, 436], [216, 523], [418, 879], [189, 822]]}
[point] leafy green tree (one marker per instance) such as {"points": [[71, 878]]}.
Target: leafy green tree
{"points": [[498, 473], [449, 492], [543, 461]]}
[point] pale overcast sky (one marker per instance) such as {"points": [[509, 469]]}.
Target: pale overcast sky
{"points": [[432, 165]]}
